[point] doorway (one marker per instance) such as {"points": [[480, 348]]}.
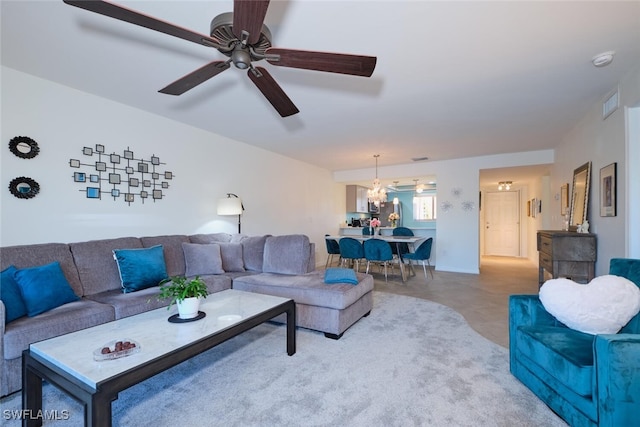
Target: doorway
{"points": [[502, 223]]}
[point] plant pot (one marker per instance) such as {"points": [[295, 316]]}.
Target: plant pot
{"points": [[188, 308]]}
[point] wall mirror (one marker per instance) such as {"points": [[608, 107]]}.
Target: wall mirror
{"points": [[24, 187], [580, 196], [24, 147]]}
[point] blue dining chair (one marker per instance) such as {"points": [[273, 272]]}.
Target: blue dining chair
{"points": [[401, 248], [377, 251], [351, 249], [422, 253], [333, 248]]}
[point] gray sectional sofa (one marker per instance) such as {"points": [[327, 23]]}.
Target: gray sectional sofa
{"points": [[276, 265]]}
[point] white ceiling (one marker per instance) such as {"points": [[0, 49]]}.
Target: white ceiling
{"points": [[453, 79]]}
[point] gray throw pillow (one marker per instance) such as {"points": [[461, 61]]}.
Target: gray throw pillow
{"points": [[286, 254], [210, 238], [231, 257], [253, 252], [202, 260]]}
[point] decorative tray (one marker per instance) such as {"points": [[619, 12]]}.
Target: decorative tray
{"points": [[177, 319], [116, 349]]}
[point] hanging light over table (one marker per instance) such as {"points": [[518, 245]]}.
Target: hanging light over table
{"points": [[377, 194]]}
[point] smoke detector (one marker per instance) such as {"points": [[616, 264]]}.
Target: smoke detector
{"points": [[603, 59]]}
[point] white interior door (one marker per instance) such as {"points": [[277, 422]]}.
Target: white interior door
{"points": [[502, 223]]}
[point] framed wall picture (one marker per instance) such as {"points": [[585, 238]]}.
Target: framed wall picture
{"points": [[564, 199], [608, 190]]}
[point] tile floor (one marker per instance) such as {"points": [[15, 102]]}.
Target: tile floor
{"points": [[481, 298]]}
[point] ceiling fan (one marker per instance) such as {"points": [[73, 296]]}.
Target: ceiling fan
{"points": [[242, 36]]}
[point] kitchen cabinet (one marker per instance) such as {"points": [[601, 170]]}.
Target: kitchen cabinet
{"points": [[357, 201], [567, 254]]}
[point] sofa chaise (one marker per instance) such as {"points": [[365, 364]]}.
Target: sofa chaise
{"points": [[276, 265], [589, 380]]}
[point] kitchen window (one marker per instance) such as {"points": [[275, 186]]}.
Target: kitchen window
{"points": [[424, 208]]}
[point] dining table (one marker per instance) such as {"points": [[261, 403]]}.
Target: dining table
{"points": [[391, 239]]}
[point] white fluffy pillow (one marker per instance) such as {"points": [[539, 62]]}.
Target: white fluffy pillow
{"points": [[603, 306]]}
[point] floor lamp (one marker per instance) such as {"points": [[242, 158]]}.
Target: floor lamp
{"points": [[231, 206]]}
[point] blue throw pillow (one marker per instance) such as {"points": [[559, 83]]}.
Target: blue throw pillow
{"points": [[14, 307], [340, 275], [44, 288], [140, 268]]}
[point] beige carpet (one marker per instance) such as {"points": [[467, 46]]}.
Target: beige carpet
{"points": [[411, 362]]}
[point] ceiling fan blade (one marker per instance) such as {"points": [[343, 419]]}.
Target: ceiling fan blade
{"points": [[356, 65], [248, 15], [272, 91], [128, 15], [193, 79]]}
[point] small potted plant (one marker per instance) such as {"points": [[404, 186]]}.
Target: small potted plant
{"points": [[185, 293]]}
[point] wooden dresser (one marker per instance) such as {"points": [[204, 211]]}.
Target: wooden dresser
{"points": [[566, 254]]}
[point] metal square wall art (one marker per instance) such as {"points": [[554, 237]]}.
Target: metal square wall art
{"points": [[120, 176]]}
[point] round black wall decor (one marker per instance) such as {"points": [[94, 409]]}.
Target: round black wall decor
{"points": [[24, 187], [24, 147]]}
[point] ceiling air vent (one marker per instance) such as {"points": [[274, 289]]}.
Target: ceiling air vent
{"points": [[610, 104]]}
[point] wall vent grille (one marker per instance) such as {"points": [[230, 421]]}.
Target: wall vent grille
{"points": [[610, 104]]}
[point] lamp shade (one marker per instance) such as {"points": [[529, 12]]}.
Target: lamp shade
{"points": [[230, 206]]}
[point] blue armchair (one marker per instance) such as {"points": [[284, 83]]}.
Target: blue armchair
{"points": [[588, 380]]}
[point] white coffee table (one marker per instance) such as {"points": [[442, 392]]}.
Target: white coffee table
{"points": [[67, 361]]}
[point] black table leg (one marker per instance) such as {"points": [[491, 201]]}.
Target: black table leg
{"points": [[97, 413], [31, 393], [291, 329]]}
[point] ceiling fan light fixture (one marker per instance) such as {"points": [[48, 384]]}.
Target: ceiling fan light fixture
{"points": [[241, 58]]}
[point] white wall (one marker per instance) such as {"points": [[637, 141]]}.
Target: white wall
{"points": [[633, 181], [537, 190], [457, 231], [281, 195], [602, 142]]}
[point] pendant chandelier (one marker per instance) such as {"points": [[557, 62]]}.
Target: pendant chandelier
{"points": [[377, 194]]}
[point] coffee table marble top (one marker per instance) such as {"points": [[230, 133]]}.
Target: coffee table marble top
{"points": [[73, 353]]}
